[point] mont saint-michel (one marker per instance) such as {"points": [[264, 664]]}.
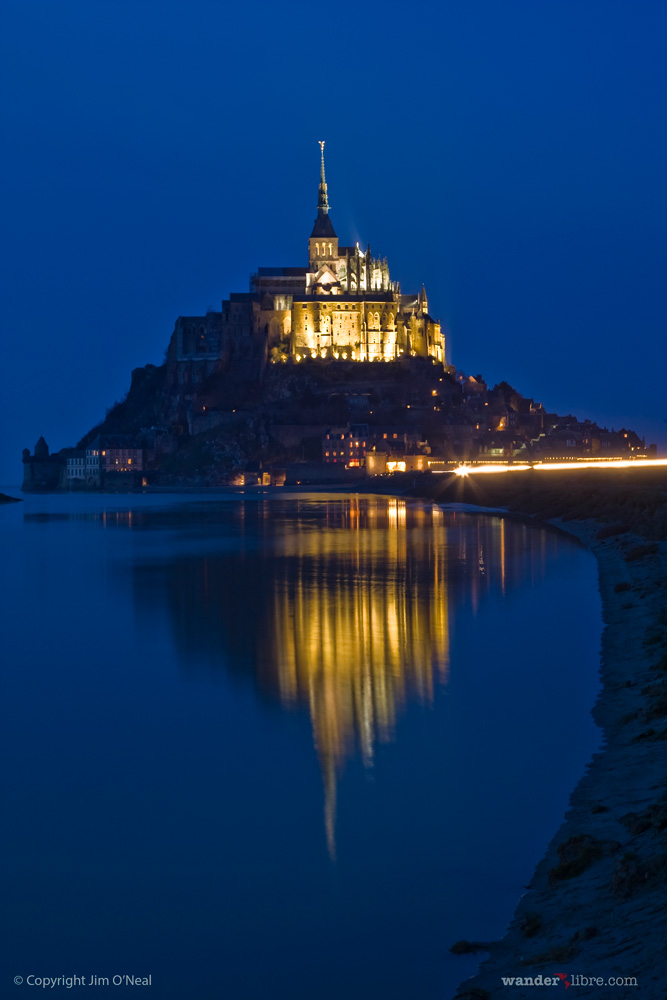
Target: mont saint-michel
{"points": [[334, 632], [321, 372]]}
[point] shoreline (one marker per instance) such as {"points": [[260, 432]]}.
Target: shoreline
{"points": [[592, 906], [595, 904]]}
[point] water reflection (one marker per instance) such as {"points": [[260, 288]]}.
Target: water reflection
{"points": [[340, 606], [355, 625]]}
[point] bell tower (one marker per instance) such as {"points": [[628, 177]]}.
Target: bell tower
{"points": [[323, 242]]}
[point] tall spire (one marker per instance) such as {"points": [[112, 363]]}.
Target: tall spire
{"points": [[323, 225], [323, 201]]}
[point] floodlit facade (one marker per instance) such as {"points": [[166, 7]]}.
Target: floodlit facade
{"points": [[341, 305]]}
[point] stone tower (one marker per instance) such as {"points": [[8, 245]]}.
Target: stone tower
{"points": [[323, 242]]}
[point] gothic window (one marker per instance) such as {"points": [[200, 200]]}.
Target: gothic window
{"points": [[376, 321], [317, 249]]}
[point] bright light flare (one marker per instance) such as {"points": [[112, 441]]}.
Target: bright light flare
{"points": [[465, 470], [604, 463]]}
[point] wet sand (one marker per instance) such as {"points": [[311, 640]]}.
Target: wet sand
{"points": [[596, 904]]}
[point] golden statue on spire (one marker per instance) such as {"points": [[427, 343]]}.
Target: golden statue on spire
{"points": [[323, 202]]}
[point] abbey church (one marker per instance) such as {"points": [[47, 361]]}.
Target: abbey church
{"points": [[343, 304]]}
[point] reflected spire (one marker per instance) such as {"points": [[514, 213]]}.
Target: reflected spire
{"points": [[350, 621], [358, 627], [330, 796]]}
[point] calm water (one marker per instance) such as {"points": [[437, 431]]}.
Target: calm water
{"points": [[286, 748]]}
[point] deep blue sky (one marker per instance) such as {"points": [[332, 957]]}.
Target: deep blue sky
{"points": [[511, 155]]}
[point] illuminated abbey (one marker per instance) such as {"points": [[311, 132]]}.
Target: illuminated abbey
{"points": [[343, 305]]}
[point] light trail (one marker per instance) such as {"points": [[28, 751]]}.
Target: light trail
{"points": [[604, 463]]}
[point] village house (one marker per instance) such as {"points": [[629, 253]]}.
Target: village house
{"points": [[111, 454]]}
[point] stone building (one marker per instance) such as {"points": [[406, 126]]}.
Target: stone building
{"points": [[342, 304], [41, 470], [346, 445], [76, 467], [111, 454]]}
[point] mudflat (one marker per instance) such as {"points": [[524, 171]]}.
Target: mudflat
{"points": [[594, 913]]}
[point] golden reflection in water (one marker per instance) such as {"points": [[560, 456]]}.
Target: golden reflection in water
{"points": [[342, 606], [360, 623]]}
